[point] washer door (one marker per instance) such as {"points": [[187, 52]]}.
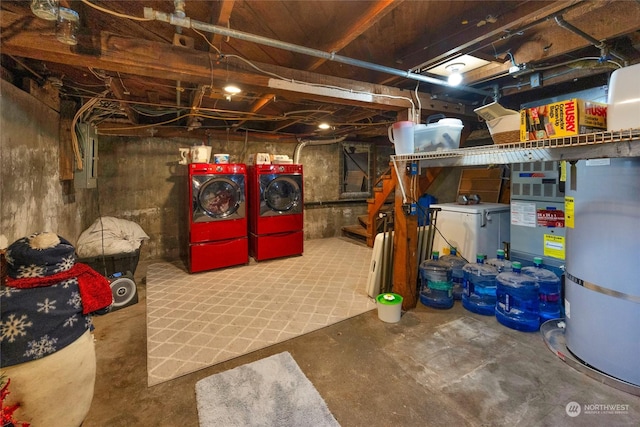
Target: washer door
{"points": [[281, 195], [217, 198]]}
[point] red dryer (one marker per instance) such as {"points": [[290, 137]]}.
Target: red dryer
{"points": [[276, 211], [217, 216]]}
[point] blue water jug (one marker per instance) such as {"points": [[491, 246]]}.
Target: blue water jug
{"points": [[500, 262], [550, 290], [456, 263], [436, 287], [479, 294], [517, 305]]}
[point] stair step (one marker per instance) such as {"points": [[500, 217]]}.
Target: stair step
{"points": [[355, 231], [363, 220], [390, 198]]}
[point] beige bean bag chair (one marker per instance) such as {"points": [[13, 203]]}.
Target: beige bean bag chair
{"points": [[46, 341]]}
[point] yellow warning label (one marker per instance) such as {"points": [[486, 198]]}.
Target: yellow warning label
{"points": [[568, 212], [554, 246], [563, 171]]}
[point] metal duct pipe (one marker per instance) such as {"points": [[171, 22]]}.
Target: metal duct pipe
{"points": [[304, 142], [595, 42], [150, 13], [179, 11]]}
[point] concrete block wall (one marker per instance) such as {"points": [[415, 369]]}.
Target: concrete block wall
{"points": [[32, 196], [139, 179]]}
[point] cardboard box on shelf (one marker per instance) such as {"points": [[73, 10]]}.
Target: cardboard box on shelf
{"points": [[566, 118]]}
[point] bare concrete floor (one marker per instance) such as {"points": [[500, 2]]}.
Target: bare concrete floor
{"points": [[433, 368]]}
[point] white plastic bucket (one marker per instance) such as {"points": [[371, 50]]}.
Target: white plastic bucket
{"points": [[401, 135], [389, 307], [221, 159], [200, 154]]}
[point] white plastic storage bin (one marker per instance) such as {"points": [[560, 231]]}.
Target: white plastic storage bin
{"points": [[443, 134]]}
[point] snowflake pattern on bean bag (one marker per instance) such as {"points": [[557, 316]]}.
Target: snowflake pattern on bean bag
{"points": [[38, 321]]}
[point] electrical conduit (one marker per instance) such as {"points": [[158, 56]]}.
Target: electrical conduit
{"points": [[304, 142], [173, 19]]}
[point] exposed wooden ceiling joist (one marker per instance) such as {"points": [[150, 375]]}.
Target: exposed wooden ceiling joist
{"points": [[119, 92], [425, 54], [152, 59], [373, 14], [560, 42], [283, 87]]}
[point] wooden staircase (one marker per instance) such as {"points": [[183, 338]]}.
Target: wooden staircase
{"points": [[359, 230], [383, 198], [370, 224]]}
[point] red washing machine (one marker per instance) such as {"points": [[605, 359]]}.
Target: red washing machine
{"points": [[217, 216], [276, 211]]}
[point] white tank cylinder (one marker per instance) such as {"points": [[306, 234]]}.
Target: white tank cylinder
{"points": [[602, 281]]}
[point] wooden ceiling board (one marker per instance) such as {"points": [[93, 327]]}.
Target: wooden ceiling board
{"points": [[95, 20], [379, 44], [550, 42], [252, 18], [458, 38], [355, 29], [399, 34]]}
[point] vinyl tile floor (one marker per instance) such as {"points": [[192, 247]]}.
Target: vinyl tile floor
{"points": [[433, 368], [198, 320]]}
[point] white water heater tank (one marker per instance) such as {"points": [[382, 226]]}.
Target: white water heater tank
{"points": [[602, 277]]}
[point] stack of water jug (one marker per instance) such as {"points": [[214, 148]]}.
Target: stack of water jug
{"points": [[520, 298]]}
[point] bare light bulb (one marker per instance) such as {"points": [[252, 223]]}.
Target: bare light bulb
{"points": [[455, 78], [232, 89]]}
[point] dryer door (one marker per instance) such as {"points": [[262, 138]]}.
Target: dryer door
{"points": [[281, 195], [218, 198]]}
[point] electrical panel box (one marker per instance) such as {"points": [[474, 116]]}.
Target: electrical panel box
{"points": [[88, 145]]}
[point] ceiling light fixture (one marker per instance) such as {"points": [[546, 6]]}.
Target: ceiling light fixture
{"points": [[466, 62], [324, 126], [232, 89], [455, 77]]}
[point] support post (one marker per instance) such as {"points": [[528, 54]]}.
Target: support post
{"points": [[405, 246]]}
